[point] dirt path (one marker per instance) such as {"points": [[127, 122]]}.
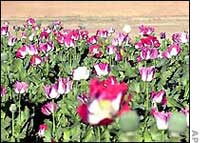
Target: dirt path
{"points": [[165, 16]]}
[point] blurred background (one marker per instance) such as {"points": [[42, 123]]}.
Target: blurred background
{"points": [[165, 16]]}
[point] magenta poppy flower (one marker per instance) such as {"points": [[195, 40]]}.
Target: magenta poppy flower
{"points": [[44, 35], [186, 113], [35, 60], [118, 56], [121, 38], [23, 35], [146, 30], [147, 73], [49, 108], [114, 42], [111, 49], [159, 97], [102, 69], [64, 85], [4, 29], [111, 30], [32, 50], [3, 91], [162, 35], [105, 101], [75, 35], [92, 40], [30, 21], [149, 53], [94, 50], [139, 58], [68, 41], [181, 37], [172, 50], [148, 42], [12, 40], [20, 87], [162, 118], [59, 37], [103, 33], [51, 91], [22, 52], [46, 47], [83, 34], [57, 25], [42, 129]]}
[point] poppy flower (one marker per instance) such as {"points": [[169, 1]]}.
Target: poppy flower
{"points": [[49, 108], [101, 69], [42, 129], [147, 73], [162, 118], [106, 100], [81, 73], [20, 87]]}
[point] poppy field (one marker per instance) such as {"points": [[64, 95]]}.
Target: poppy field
{"points": [[60, 85]]}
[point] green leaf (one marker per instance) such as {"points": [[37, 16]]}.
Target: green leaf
{"points": [[173, 103], [66, 136]]}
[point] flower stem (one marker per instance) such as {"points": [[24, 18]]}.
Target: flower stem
{"points": [[75, 53], [13, 124], [147, 96], [53, 116], [19, 107], [70, 62]]}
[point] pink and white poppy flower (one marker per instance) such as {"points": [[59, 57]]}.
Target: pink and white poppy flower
{"points": [[12, 40], [32, 50], [20, 87], [3, 91], [35, 60], [94, 50], [22, 52], [102, 69], [48, 108], [92, 40], [51, 91], [159, 97], [105, 101], [103, 33], [111, 49], [149, 53], [162, 118], [42, 129], [172, 50], [146, 30], [4, 29], [147, 73], [64, 85], [180, 38]]}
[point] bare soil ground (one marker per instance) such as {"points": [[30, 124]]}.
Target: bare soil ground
{"points": [[165, 16]]}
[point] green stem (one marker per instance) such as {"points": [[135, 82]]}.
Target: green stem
{"points": [[70, 60], [187, 90], [13, 124], [53, 116], [110, 57], [147, 96], [75, 53], [19, 107], [163, 136]]}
